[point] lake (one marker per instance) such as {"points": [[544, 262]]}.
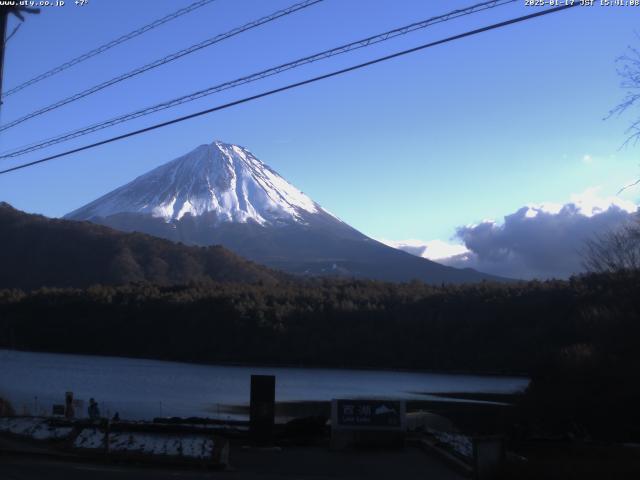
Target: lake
{"points": [[143, 389]]}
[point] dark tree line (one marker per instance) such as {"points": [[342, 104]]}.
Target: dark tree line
{"points": [[481, 327], [578, 339]]}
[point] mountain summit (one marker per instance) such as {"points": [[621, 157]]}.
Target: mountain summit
{"points": [[222, 194], [224, 180]]}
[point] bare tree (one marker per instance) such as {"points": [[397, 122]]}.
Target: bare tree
{"points": [[614, 251], [629, 72], [619, 249]]}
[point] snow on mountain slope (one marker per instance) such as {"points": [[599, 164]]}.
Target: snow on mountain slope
{"points": [[221, 178], [220, 194]]}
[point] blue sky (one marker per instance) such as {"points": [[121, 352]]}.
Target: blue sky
{"points": [[410, 149]]}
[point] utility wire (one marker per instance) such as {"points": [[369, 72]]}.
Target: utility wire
{"points": [[295, 85], [258, 76], [162, 61], [107, 46]]}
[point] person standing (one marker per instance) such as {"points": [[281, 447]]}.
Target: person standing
{"points": [[94, 411]]}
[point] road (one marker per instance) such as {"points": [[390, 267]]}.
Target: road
{"points": [[290, 463]]}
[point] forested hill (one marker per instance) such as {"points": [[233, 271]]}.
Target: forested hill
{"points": [[484, 327], [578, 338], [37, 251]]}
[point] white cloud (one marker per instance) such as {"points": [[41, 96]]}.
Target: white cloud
{"points": [[432, 249], [536, 241], [590, 203]]}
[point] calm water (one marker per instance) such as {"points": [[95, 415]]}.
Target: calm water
{"points": [[32, 382]]}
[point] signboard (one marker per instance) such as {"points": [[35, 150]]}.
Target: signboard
{"points": [[372, 414], [488, 456]]}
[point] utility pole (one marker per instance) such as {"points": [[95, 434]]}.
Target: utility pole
{"points": [[4, 19]]}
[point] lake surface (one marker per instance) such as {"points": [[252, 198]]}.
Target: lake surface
{"points": [[142, 389]]}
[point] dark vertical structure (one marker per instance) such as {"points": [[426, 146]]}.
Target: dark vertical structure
{"points": [[69, 411], [262, 409], [4, 16], [5, 10]]}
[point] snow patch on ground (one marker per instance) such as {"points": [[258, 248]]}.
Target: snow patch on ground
{"points": [[35, 428], [191, 446], [91, 438], [460, 444]]}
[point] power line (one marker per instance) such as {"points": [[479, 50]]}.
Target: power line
{"points": [[295, 85], [258, 76], [107, 46], [162, 61]]}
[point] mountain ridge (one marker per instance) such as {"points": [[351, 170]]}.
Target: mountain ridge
{"points": [[222, 194], [222, 178], [36, 251]]}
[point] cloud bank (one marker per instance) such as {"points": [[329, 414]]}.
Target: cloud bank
{"points": [[433, 249], [536, 241]]}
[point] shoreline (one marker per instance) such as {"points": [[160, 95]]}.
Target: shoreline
{"points": [[515, 375]]}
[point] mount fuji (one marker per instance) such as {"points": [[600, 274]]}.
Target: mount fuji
{"points": [[222, 194]]}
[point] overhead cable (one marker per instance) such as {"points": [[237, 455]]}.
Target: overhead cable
{"points": [[294, 85], [106, 46], [382, 37]]}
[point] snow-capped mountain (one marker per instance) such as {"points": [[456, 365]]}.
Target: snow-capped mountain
{"points": [[222, 194], [226, 180]]}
